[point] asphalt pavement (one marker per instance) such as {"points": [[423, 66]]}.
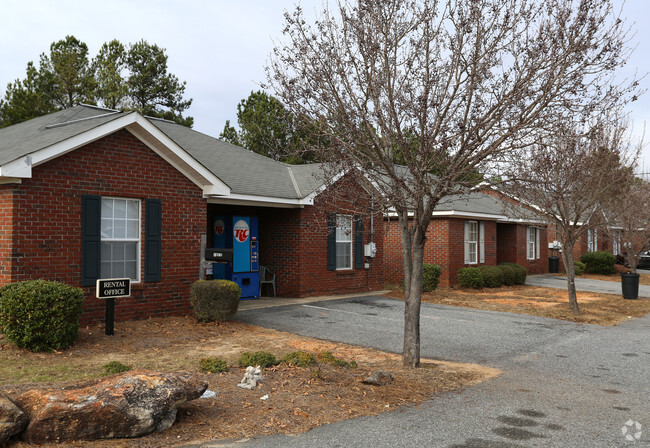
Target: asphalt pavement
{"points": [[582, 284], [563, 384]]}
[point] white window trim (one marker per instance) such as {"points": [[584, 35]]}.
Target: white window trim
{"points": [[532, 243], [469, 243], [350, 242], [138, 265], [592, 240]]}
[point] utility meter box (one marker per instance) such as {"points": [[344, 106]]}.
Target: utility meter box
{"points": [[370, 250]]}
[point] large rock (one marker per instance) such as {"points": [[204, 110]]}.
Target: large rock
{"points": [[132, 404], [12, 419]]}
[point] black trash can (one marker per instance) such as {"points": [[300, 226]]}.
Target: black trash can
{"points": [[553, 264], [630, 285]]}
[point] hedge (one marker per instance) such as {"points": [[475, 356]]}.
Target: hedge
{"points": [[214, 300], [40, 315], [430, 276], [599, 262]]}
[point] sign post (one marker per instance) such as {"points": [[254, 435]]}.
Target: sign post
{"points": [[110, 289]]}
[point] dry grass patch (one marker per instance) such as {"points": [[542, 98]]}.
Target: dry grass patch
{"points": [[598, 309], [299, 398]]}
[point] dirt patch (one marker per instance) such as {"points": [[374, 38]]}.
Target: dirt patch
{"points": [[299, 399], [598, 309]]}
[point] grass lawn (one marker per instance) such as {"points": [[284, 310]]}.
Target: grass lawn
{"points": [[598, 309]]}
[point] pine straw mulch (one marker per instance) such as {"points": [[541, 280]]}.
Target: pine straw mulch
{"points": [[299, 399], [595, 308]]}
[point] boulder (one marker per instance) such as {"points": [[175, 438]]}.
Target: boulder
{"points": [[379, 378], [12, 419], [132, 404]]}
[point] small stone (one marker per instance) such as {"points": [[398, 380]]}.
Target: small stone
{"points": [[379, 378]]}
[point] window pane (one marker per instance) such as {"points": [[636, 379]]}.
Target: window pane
{"points": [[118, 250], [130, 251], [118, 269], [107, 251], [119, 208], [132, 210], [107, 208], [343, 255], [119, 229], [107, 228], [132, 229], [129, 269]]}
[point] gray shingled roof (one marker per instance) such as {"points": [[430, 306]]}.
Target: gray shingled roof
{"points": [[244, 171], [30, 136]]}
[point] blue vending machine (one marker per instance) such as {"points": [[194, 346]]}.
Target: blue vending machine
{"points": [[239, 233]]}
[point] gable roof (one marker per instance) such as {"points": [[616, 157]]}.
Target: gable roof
{"points": [[225, 172]]}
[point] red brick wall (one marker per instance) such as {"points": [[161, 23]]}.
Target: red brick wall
{"points": [[293, 244], [47, 222], [512, 247], [445, 247], [6, 232]]}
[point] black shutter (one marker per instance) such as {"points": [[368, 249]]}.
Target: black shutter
{"points": [[152, 240], [358, 242], [91, 215], [331, 242]]}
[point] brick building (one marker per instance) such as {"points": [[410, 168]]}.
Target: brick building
{"points": [[90, 193], [475, 229]]}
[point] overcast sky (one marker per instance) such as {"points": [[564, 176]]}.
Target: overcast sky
{"points": [[218, 46]]}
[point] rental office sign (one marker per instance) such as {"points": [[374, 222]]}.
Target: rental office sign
{"points": [[111, 289]]}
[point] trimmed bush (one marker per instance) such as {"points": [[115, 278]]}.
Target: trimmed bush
{"points": [[213, 365], [300, 359], [470, 278], [326, 357], [430, 276], [599, 262], [520, 272], [261, 358], [508, 274], [214, 300], [579, 268], [114, 367], [492, 276], [39, 315]]}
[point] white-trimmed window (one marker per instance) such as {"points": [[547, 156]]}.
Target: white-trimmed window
{"points": [[532, 243], [120, 238], [616, 243], [592, 240], [471, 242], [343, 242]]}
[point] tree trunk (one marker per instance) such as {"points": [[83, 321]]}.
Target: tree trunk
{"points": [[413, 300], [567, 258]]}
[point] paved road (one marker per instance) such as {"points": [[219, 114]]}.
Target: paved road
{"points": [[582, 284], [563, 384]]}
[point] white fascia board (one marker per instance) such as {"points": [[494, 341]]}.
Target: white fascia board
{"points": [[455, 214], [310, 198], [261, 201], [19, 168], [508, 220]]}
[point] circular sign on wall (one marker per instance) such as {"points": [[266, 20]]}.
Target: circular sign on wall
{"points": [[241, 231], [219, 227]]}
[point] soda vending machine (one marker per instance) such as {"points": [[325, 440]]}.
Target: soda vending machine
{"points": [[240, 234]]}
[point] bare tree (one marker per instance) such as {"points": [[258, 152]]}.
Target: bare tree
{"points": [[568, 177], [443, 87], [630, 228]]}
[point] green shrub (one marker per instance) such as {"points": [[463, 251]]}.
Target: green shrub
{"points": [[519, 271], [470, 278], [114, 367], [213, 365], [492, 276], [508, 273], [599, 262], [430, 276], [39, 315], [261, 358], [327, 357], [579, 268], [300, 359], [214, 300]]}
